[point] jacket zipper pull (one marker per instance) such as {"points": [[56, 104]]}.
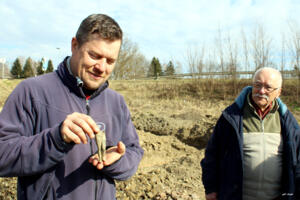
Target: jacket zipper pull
{"points": [[87, 105]]}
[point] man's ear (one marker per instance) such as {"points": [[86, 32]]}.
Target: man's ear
{"points": [[74, 44]]}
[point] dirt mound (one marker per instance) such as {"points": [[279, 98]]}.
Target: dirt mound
{"points": [[169, 169], [173, 144], [195, 133], [8, 189]]}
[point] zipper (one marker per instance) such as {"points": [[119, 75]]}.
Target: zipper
{"points": [[264, 149], [262, 125], [87, 106]]}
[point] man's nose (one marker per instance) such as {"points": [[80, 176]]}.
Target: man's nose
{"points": [[262, 90], [101, 65]]}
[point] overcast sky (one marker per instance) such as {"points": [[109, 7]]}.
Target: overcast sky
{"points": [[161, 28]]}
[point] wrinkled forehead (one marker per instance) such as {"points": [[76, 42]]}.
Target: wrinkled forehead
{"points": [[267, 77]]}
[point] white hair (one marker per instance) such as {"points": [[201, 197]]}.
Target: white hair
{"points": [[271, 70]]}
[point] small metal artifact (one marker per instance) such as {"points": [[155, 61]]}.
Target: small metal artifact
{"points": [[101, 143]]}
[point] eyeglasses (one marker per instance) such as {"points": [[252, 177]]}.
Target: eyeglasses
{"points": [[267, 88]]}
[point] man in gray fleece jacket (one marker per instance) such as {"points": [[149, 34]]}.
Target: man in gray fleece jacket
{"points": [[48, 124]]}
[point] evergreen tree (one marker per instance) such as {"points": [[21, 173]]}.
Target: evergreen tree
{"points": [[170, 70], [155, 68], [49, 67], [40, 69], [16, 69], [27, 70]]}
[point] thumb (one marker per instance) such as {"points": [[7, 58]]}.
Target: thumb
{"points": [[121, 148]]}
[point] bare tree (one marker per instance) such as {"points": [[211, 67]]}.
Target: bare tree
{"points": [[294, 47], [195, 59], [220, 50], [261, 45], [232, 50], [131, 63], [4, 69], [211, 63], [283, 50], [192, 58], [200, 65], [219, 45], [178, 67], [245, 51]]}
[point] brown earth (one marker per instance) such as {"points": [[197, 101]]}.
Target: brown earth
{"points": [[173, 133]]}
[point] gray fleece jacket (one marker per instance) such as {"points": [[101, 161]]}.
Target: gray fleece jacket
{"points": [[32, 149]]}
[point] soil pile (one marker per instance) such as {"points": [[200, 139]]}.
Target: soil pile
{"points": [[169, 169]]}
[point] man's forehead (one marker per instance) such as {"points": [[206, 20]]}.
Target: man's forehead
{"points": [[106, 47], [266, 76]]}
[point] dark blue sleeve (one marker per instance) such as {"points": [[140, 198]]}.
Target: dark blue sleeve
{"points": [[296, 128], [291, 127], [22, 151], [297, 167], [210, 161]]}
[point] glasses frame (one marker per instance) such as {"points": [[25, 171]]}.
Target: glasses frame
{"points": [[268, 89]]}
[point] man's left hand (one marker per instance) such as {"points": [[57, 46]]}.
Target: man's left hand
{"points": [[112, 155]]}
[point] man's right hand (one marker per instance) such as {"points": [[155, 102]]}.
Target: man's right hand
{"points": [[211, 196], [75, 127]]}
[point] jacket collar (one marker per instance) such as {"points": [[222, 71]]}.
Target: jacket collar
{"points": [[241, 99], [75, 84]]}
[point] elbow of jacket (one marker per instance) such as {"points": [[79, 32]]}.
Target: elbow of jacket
{"points": [[127, 175]]}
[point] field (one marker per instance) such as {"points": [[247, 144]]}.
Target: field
{"points": [[174, 119]]}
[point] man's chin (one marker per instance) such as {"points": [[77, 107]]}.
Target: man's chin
{"points": [[261, 103], [93, 86]]}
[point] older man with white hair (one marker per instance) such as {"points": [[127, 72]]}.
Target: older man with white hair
{"points": [[253, 152]]}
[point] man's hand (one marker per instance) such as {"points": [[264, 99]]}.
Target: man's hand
{"points": [[211, 196], [112, 155], [76, 126]]}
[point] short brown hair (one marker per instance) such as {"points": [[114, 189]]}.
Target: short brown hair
{"points": [[100, 24]]}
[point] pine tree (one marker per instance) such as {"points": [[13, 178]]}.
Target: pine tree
{"points": [[27, 70], [155, 68], [49, 67], [40, 69], [16, 69], [170, 70]]}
